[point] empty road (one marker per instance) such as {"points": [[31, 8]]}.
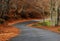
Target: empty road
{"points": [[34, 34]]}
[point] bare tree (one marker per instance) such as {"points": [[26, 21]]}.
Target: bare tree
{"points": [[54, 12]]}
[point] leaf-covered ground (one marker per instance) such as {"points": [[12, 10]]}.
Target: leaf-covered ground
{"points": [[51, 28]]}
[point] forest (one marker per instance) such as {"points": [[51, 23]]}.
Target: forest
{"points": [[17, 16], [13, 9], [24, 9]]}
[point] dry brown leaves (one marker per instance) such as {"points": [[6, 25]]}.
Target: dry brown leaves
{"points": [[8, 32]]}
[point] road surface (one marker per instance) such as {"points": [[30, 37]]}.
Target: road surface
{"points": [[34, 34]]}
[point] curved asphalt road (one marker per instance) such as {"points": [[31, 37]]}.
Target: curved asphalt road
{"points": [[34, 34]]}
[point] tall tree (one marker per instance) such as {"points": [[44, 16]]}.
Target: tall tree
{"points": [[54, 12]]}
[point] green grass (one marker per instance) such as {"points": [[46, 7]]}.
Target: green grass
{"points": [[46, 23]]}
